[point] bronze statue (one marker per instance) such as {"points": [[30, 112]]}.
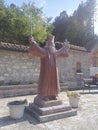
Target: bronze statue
{"points": [[48, 87]]}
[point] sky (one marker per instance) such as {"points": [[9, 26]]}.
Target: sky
{"points": [[52, 8]]}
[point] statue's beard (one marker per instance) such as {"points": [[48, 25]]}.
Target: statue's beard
{"points": [[52, 49]]}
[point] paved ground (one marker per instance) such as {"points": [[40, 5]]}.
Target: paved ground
{"points": [[87, 118]]}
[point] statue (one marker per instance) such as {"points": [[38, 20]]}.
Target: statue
{"points": [[48, 87]]}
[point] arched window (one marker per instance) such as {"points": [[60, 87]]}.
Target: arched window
{"points": [[78, 67], [95, 58]]}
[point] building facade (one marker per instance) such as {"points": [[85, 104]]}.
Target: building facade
{"points": [[17, 67]]}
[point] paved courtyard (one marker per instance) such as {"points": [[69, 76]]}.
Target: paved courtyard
{"points": [[86, 119]]}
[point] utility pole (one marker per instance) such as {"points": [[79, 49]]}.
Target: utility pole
{"points": [[93, 22]]}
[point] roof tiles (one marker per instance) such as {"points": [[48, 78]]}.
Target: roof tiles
{"points": [[23, 48], [14, 47]]}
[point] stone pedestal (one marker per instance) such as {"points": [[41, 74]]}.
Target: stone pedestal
{"points": [[45, 111], [79, 80]]}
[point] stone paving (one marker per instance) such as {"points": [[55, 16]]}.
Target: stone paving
{"points": [[86, 119]]}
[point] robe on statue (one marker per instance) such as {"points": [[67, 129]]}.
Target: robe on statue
{"points": [[49, 80]]}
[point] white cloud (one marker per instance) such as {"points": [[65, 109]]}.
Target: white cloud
{"points": [[42, 3]]}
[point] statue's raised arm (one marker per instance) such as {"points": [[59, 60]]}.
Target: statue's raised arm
{"points": [[35, 49], [32, 41], [63, 52]]}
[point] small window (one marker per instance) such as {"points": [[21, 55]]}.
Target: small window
{"points": [[78, 67]]}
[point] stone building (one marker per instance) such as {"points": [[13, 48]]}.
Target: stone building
{"points": [[17, 67]]}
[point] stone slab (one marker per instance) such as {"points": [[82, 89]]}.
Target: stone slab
{"points": [[51, 109], [50, 117], [43, 103]]}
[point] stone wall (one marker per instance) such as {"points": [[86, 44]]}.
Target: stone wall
{"points": [[19, 68], [67, 67]]}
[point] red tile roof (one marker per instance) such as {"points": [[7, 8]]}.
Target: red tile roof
{"points": [[23, 48], [78, 48], [13, 47], [73, 47]]}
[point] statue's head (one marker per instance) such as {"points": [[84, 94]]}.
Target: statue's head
{"points": [[50, 38], [50, 42]]}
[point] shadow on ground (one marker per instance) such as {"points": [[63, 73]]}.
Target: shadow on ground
{"points": [[6, 120]]}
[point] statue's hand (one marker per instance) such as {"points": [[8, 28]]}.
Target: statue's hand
{"points": [[67, 45], [31, 40]]}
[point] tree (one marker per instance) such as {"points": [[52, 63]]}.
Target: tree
{"points": [[85, 15], [49, 25], [15, 23], [60, 25], [1, 3], [4, 22], [78, 28], [36, 20]]}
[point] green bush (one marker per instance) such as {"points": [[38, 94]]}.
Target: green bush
{"points": [[73, 93]]}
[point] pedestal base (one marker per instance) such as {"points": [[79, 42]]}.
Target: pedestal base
{"points": [[51, 110], [42, 103]]}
